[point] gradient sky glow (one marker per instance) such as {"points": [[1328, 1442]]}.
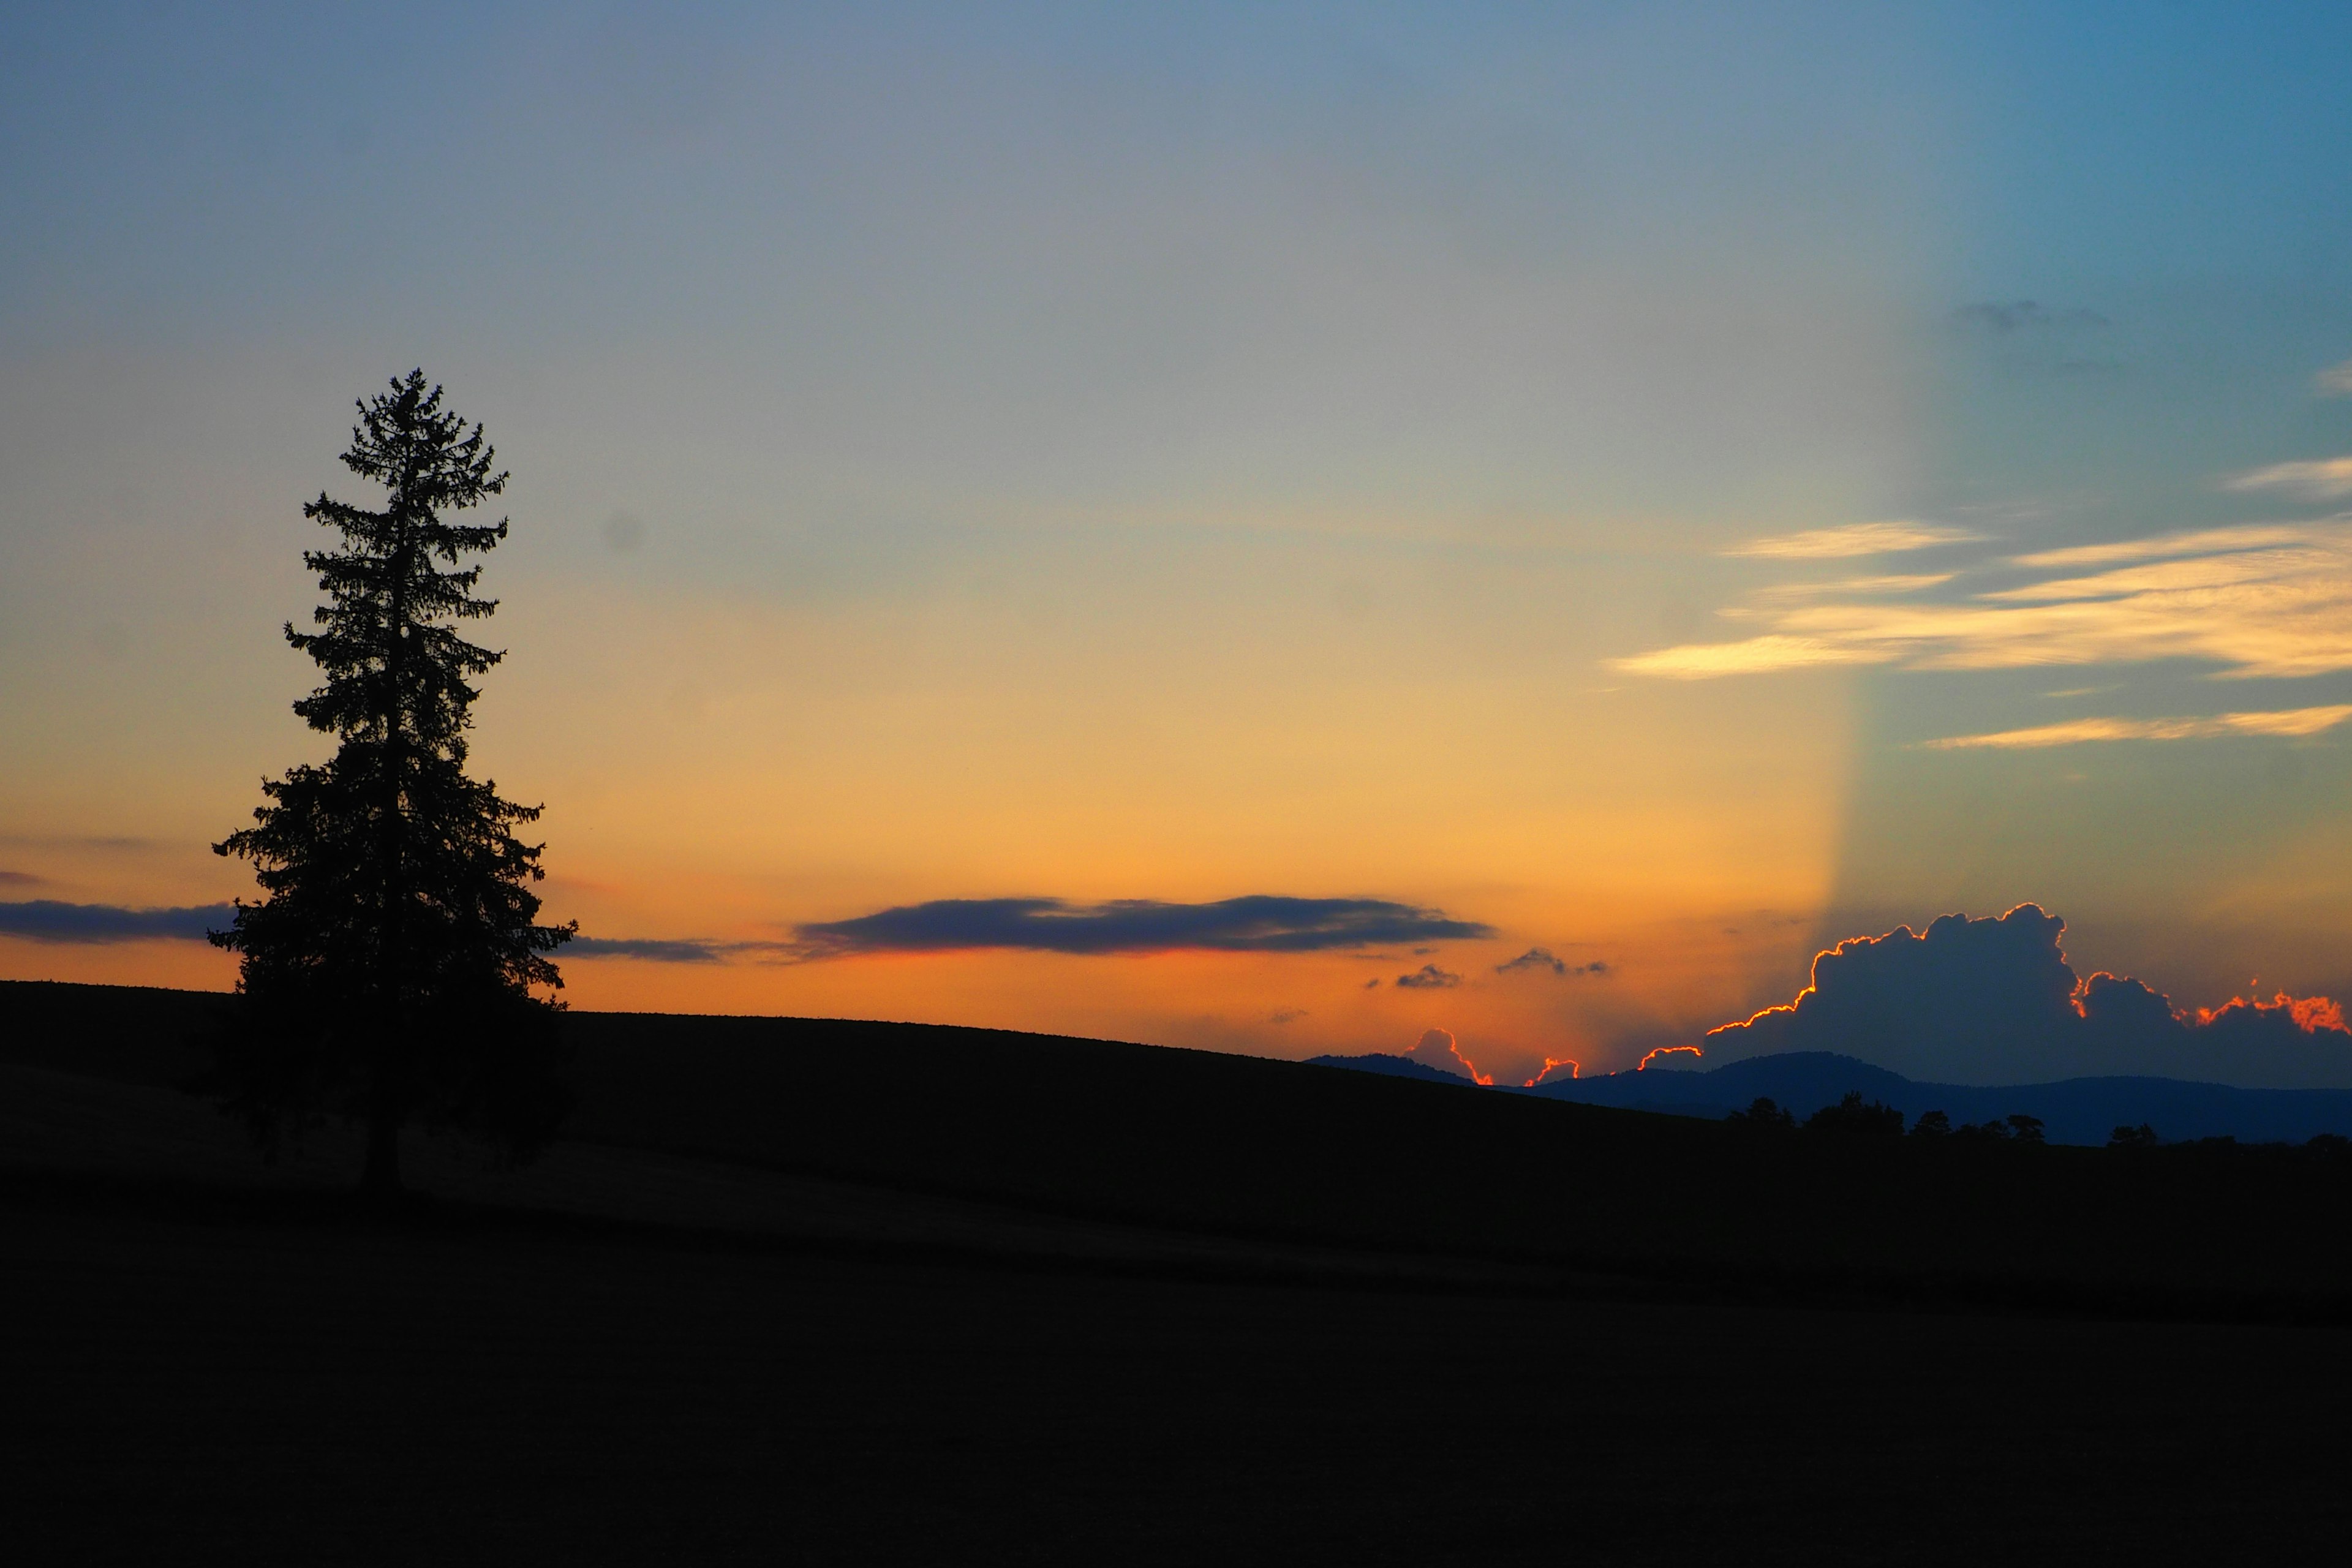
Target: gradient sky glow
{"points": [[1671, 486]]}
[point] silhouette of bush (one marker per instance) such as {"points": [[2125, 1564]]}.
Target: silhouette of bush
{"points": [[1850, 1118]]}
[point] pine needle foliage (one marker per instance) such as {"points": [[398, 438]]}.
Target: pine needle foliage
{"points": [[387, 974]]}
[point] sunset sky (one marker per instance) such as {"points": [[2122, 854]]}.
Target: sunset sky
{"points": [[1670, 487]]}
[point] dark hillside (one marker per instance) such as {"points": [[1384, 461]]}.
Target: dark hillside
{"points": [[1243, 1147]]}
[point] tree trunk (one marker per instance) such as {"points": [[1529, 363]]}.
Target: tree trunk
{"points": [[381, 1178]]}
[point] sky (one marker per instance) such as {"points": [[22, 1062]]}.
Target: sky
{"points": [[1231, 527]]}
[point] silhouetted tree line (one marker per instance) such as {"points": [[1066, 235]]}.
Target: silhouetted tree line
{"points": [[1853, 1118]]}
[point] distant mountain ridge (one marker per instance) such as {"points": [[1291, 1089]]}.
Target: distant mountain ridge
{"points": [[2073, 1111], [1391, 1067]]}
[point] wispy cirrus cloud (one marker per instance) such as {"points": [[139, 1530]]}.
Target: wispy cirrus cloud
{"points": [[2336, 380], [1853, 539], [2323, 479], [2076, 732], [49, 920], [2267, 600]]}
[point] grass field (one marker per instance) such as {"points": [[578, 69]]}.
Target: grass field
{"points": [[840, 1292]]}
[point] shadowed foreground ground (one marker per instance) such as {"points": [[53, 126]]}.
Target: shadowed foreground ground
{"points": [[244, 1373], [1083, 1302]]}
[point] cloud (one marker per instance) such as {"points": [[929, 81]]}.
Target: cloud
{"points": [[1855, 539], [1258, 923], [1910, 582], [1286, 1014], [20, 879], [1994, 1000], [2257, 601], [2203, 541], [2284, 721], [2320, 481], [654, 950], [46, 920], [1429, 977], [1540, 958], [2336, 380], [1438, 1048]]}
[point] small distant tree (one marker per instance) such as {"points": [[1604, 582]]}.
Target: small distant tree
{"points": [[2025, 1129], [2140, 1137], [1982, 1131], [387, 973], [1932, 1124], [1762, 1112], [1851, 1118]]}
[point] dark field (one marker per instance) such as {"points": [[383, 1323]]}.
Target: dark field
{"points": [[861, 1342]]}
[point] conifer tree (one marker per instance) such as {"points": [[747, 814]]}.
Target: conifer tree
{"points": [[388, 974]]}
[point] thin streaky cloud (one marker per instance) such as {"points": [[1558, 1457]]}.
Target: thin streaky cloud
{"points": [[1913, 582], [2284, 611], [2322, 480], [2336, 380], [2204, 542], [50, 920], [1855, 539], [2284, 721], [1754, 656], [1255, 923]]}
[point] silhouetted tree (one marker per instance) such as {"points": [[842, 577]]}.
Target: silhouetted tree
{"points": [[1983, 1132], [387, 973], [1932, 1124], [1850, 1118], [2140, 1137], [1762, 1112], [2026, 1128]]}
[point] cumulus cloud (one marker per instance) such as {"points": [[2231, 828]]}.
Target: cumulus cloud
{"points": [[1438, 1048], [2075, 732], [1258, 923], [1855, 539], [1429, 977], [2256, 601], [46, 920], [1995, 1001], [1541, 958]]}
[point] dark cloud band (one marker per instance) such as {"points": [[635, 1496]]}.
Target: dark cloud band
{"points": [[49, 920], [654, 950], [1258, 923]]}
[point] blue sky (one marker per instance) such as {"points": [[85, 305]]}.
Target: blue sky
{"points": [[1108, 454]]}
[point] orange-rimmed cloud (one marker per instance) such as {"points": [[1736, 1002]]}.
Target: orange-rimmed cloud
{"points": [[1994, 999]]}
